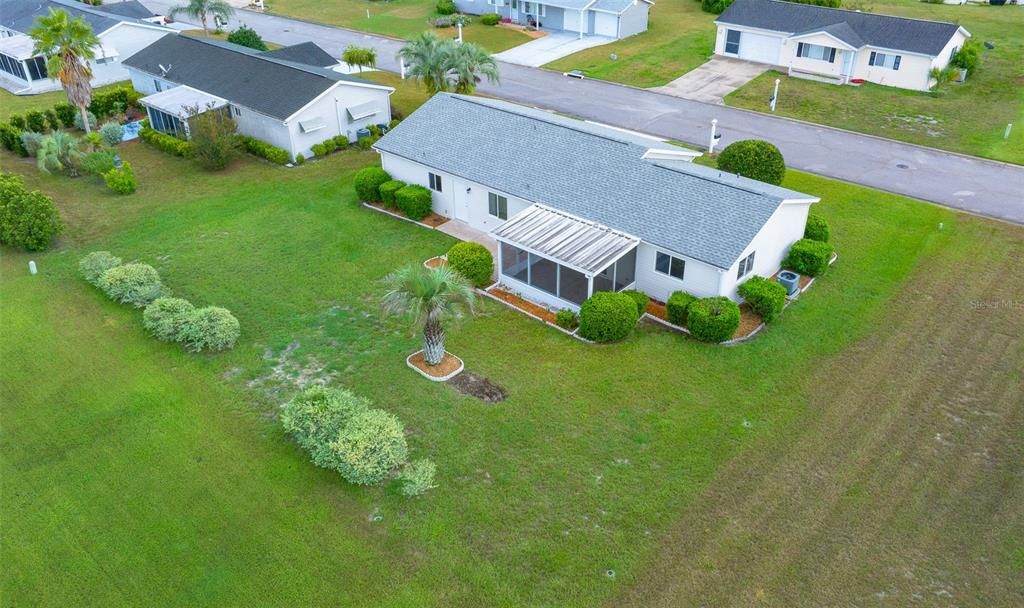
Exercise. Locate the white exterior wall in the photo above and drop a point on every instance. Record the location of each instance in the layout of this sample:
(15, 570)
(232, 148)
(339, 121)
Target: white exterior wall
(332, 109)
(772, 243)
(130, 38)
(634, 19)
(699, 278)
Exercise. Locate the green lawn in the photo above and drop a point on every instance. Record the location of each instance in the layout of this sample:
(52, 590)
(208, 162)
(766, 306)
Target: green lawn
(136, 474)
(399, 19)
(19, 104)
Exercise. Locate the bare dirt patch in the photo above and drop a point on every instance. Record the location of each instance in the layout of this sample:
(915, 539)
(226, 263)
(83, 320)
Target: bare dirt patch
(477, 386)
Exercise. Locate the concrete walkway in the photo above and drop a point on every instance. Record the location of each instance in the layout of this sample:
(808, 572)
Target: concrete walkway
(972, 184)
(711, 82)
(464, 232)
(549, 48)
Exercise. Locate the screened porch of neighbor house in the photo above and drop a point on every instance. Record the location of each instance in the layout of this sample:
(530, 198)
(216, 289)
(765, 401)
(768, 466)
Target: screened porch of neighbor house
(169, 110)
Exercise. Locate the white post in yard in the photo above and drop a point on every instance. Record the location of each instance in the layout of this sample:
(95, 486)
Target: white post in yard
(460, 30)
(1006, 133)
(711, 143)
(32, 267)
(775, 95)
(401, 67)
(367, 13)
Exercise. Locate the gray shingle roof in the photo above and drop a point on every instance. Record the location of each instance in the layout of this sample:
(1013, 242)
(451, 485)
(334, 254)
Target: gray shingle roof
(241, 75)
(592, 172)
(306, 53)
(20, 15)
(886, 31)
(842, 31)
(129, 8)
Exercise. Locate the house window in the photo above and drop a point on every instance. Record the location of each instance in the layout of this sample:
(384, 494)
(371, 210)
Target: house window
(732, 42)
(815, 51)
(535, 8)
(36, 68)
(497, 206)
(236, 110)
(670, 265)
(102, 60)
(435, 182)
(884, 60)
(156, 85)
(746, 265)
(12, 66)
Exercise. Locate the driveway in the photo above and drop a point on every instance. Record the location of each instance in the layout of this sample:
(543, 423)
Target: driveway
(711, 82)
(549, 48)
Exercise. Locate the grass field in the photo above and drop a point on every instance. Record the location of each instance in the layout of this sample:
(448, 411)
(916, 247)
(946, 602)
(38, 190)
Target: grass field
(19, 104)
(400, 19)
(877, 423)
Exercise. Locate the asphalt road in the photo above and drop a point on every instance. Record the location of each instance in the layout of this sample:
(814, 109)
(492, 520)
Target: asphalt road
(971, 184)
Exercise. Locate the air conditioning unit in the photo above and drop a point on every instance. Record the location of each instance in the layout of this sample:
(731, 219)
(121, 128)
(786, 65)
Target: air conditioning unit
(791, 281)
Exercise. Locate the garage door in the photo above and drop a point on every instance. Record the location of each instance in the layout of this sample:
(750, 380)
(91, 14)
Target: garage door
(606, 24)
(759, 47)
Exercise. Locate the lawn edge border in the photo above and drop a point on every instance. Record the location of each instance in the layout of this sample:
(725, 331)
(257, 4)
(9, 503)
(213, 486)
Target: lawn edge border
(395, 215)
(445, 378)
(571, 334)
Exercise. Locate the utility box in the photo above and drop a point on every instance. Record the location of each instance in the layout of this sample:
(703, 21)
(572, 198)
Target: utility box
(791, 281)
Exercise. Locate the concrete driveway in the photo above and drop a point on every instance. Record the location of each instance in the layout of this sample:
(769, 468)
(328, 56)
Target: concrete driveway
(549, 48)
(714, 80)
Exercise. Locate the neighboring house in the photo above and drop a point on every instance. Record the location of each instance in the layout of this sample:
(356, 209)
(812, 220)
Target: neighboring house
(122, 29)
(578, 207)
(610, 18)
(837, 45)
(289, 104)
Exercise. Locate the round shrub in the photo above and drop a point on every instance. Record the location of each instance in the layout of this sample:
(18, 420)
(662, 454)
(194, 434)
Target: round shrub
(111, 133)
(121, 180)
(766, 297)
(446, 7)
(135, 284)
(415, 202)
(678, 306)
(817, 228)
(369, 447)
(35, 121)
(754, 158)
(93, 265)
(66, 113)
(210, 329)
(388, 190)
(165, 318)
(27, 219)
(367, 183)
(490, 19)
(567, 319)
(418, 477)
(473, 261)
(641, 299)
(607, 316)
(315, 416)
(808, 257)
(713, 319)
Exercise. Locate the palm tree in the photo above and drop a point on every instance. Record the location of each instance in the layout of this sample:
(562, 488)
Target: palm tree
(426, 60)
(360, 57)
(58, 152)
(428, 296)
(202, 10)
(68, 45)
(467, 62)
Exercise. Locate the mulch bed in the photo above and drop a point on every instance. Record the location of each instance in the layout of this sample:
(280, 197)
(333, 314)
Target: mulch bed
(433, 220)
(805, 280)
(477, 386)
(749, 321)
(447, 365)
(656, 308)
(436, 262)
(521, 304)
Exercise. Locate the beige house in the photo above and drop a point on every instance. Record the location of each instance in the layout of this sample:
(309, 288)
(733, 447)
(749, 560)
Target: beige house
(838, 46)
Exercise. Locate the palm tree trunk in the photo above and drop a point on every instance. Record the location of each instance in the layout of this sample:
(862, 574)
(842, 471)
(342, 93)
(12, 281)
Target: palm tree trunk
(206, 32)
(433, 341)
(84, 111)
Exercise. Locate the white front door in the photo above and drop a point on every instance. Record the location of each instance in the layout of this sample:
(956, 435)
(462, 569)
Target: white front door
(515, 10)
(460, 201)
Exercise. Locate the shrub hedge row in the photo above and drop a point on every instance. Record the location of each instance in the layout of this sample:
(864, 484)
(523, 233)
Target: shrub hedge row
(641, 299)
(414, 201)
(809, 257)
(817, 228)
(165, 142)
(388, 190)
(367, 183)
(263, 150)
(766, 297)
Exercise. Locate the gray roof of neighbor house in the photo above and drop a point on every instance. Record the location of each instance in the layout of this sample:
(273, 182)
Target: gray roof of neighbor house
(610, 6)
(306, 53)
(20, 15)
(590, 171)
(243, 76)
(885, 31)
(127, 8)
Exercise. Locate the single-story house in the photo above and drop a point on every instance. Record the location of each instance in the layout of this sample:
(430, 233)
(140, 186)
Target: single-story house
(610, 18)
(273, 96)
(578, 207)
(122, 29)
(836, 45)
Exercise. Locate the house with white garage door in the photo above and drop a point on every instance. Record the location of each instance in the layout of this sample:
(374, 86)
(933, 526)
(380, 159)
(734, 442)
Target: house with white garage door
(608, 18)
(578, 207)
(839, 46)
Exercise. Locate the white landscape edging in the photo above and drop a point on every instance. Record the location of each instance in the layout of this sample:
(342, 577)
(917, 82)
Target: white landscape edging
(395, 215)
(462, 366)
(571, 334)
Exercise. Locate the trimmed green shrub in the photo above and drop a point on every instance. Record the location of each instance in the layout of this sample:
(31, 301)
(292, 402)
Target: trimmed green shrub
(473, 261)
(10, 139)
(93, 265)
(808, 257)
(446, 7)
(317, 415)
(754, 158)
(418, 477)
(120, 180)
(300, 159)
(414, 201)
(367, 183)
(165, 318)
(27, 219)
(53, 121)
(369, 447)
(641, 299)
(18, 122)
(715, 7)
(246, 36)
(341, 142)
(388, 190)
(318, 150)
(817, 228)
(210, 329)
(607, 316)
(97, 163)
(113, 101)
(111, 133)
(394, 123)
(365, 143)
(567, 318)
(66, 113)
(967, 56)
(35, 121)
(135, 284)
(678, 306)
(263, 150)
(766, 297)
(165, 142)
(490, 19)
(713, 319)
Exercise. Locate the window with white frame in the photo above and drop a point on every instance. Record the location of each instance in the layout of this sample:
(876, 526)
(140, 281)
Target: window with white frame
(534, 8)
(497, 206)
(732, 42)
(816, 51)
(670, 265)
(435, 182)
(746, 266)
(885, 60)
